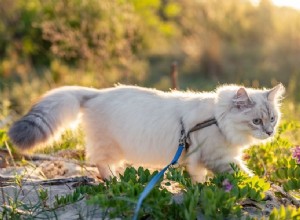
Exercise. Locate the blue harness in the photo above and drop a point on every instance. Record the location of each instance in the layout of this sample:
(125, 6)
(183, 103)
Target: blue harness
(182, 144)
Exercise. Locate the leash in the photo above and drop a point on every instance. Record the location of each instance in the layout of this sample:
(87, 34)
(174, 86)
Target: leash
(182, 144)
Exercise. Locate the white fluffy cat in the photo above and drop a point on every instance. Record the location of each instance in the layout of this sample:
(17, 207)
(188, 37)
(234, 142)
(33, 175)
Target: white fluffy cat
(142, 126)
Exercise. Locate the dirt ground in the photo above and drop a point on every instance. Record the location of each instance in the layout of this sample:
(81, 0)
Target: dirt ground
(60, 176)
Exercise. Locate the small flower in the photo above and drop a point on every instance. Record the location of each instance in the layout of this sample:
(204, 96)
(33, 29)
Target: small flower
(227, 186)
(296, 153)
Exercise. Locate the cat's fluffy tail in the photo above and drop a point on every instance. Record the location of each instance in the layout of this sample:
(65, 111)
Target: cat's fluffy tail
(49, 116)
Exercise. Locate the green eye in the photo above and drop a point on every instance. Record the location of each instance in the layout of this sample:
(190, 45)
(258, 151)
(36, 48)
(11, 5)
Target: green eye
(257, 121)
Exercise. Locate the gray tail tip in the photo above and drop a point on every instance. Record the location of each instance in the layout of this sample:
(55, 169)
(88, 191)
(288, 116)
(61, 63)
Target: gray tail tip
(25, 136)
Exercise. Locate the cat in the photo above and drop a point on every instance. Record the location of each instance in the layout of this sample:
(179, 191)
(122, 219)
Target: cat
(142, 126)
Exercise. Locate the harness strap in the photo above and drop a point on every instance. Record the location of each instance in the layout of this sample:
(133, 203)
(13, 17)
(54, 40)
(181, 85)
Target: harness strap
(204, 124)
(197, 127)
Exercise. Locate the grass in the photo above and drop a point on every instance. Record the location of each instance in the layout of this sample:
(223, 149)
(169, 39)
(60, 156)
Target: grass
(222, 196)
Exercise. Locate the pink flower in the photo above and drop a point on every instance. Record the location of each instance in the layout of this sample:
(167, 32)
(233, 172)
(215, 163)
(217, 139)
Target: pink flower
(227, 186)
(296, 153)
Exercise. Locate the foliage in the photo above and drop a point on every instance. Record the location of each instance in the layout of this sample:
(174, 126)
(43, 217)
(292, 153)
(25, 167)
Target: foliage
(103, 42)
(97, 41)
(285, 213)
(14, 208)
(117, 198)
(3, 137)
(288, 176)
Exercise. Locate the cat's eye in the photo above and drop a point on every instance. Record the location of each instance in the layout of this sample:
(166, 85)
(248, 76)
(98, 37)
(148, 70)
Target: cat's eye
(257, 121)
(272, 119)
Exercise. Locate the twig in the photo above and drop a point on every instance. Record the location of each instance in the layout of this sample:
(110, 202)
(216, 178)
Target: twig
(38, 157)
(251, 203)
(53, 158)
(286, 194)
(10, 154)
(80, 179)
(51, 182)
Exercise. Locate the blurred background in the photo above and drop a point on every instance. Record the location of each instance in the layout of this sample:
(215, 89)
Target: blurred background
(48, 43)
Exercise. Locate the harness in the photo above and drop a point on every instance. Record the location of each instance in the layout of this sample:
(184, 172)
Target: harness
(197, 127)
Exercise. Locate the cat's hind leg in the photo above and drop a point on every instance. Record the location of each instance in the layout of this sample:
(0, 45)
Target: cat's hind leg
(106, 155)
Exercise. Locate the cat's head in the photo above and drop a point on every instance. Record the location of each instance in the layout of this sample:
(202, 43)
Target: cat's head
(247, 114)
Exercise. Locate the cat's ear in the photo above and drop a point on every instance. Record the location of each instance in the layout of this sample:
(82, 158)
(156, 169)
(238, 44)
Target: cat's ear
(241, 100)
(276, 93)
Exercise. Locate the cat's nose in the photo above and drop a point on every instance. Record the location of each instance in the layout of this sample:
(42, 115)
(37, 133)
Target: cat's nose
(269, 133)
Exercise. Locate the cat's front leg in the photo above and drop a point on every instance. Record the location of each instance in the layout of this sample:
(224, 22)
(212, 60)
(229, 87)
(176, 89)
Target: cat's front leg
(196, 170)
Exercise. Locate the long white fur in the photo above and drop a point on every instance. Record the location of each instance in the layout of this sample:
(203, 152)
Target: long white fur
(142, 126)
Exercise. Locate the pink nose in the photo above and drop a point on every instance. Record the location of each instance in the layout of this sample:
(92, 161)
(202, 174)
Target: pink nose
(269, 133)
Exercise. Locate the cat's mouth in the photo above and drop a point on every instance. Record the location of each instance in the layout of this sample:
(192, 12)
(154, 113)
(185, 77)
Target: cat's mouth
(263, 136)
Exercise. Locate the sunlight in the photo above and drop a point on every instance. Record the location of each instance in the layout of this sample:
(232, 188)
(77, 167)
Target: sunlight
(74, 125)
(283, 3)
(290, 3)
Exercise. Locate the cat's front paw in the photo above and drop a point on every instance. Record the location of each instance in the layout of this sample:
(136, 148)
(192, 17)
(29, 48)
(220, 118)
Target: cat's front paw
(198, 178)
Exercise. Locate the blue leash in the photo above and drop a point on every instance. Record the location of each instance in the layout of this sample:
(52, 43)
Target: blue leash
(182, 144)
(155, 179)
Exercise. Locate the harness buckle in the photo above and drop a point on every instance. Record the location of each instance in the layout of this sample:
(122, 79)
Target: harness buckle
(183, 137)
(182, 140)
